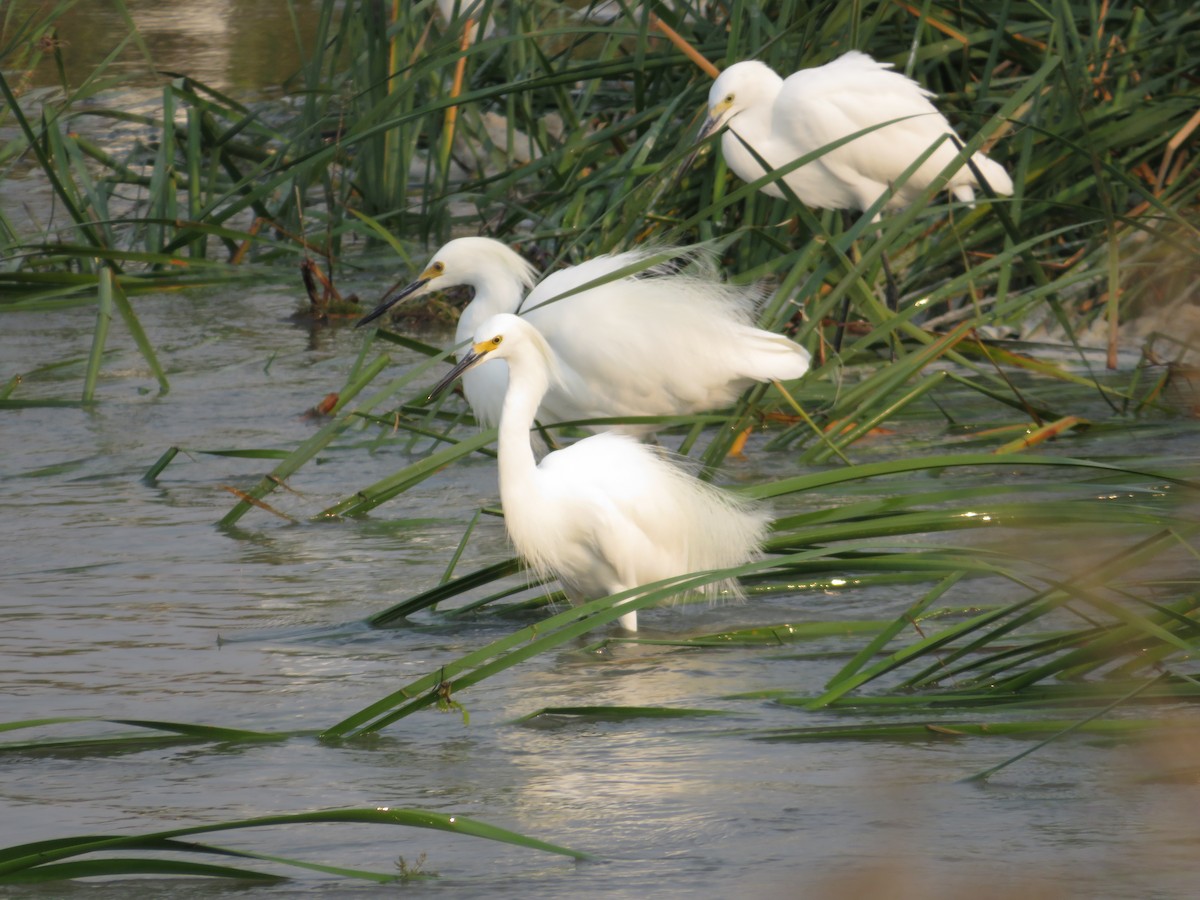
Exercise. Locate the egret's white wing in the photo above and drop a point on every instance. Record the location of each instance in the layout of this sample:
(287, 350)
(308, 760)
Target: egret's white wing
(821, 105)
(661, 344)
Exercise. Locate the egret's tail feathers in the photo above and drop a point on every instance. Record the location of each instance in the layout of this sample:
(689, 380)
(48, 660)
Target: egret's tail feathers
(767, 356)
(997, 178)
(732, 536)
(964, 193)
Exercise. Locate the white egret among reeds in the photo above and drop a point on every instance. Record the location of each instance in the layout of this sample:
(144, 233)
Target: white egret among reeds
(783, 119)
(786, 118)
(608, 513)
(646, 338)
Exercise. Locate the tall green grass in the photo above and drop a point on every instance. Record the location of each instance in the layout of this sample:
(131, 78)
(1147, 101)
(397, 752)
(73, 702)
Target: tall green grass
(590, 130)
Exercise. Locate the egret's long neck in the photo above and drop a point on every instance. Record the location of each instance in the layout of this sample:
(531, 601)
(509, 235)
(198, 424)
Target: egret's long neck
(497, 290)
(528, 382)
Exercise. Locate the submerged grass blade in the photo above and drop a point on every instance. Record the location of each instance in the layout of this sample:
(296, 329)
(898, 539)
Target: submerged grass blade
(932, 464)
(1081, 725)
(366, 499)
(620, 713)
(21, 860)
(154, 732)
(117, 867)
(1060, 593)
(309, 448)
(394, 615)
(950, 729)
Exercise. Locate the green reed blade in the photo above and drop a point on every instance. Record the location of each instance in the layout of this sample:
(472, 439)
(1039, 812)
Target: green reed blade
(125, 308)
(1086, 724)
(104, 315)
(396, 614)
(24, 858)
(313, 445)
(116, 867)
(954, 730)
(366, 499)
(621, 713)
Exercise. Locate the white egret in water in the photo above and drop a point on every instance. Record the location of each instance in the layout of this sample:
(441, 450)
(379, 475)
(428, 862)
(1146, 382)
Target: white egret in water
(661, 342)
(607, 513)
(786, 118)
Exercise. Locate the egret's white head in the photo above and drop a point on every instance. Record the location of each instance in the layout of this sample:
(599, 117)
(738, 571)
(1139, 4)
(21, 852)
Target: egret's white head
(503, 336)
(740, 87)
(473, 260)
(468, 260)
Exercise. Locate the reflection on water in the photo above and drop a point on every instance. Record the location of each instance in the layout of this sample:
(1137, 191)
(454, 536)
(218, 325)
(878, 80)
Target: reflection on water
(239, 45)
(247, 48)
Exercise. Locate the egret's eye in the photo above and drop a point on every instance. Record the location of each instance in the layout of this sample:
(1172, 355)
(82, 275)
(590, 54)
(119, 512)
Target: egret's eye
(729, 98)
(497, 340)
(438, 267)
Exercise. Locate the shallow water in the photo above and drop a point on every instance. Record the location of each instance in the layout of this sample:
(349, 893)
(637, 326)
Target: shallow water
(229, 45)
(122, 599)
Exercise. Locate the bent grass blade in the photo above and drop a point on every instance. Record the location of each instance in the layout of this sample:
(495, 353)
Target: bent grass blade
(21, 863)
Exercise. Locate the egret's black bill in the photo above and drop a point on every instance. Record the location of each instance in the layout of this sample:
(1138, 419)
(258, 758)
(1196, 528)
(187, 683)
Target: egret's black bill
(710, 127)
(390, 301)
(470, 358)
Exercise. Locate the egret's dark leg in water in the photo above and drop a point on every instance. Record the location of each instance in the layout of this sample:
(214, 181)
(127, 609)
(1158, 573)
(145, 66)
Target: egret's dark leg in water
(891, 291)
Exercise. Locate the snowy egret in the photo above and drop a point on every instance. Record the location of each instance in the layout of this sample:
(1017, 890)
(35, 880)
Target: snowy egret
(784, 119)
(628, 347)
(607, 513)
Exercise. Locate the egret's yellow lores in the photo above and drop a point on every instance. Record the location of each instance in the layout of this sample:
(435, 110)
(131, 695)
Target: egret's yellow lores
(668, 340)
(607, 513)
